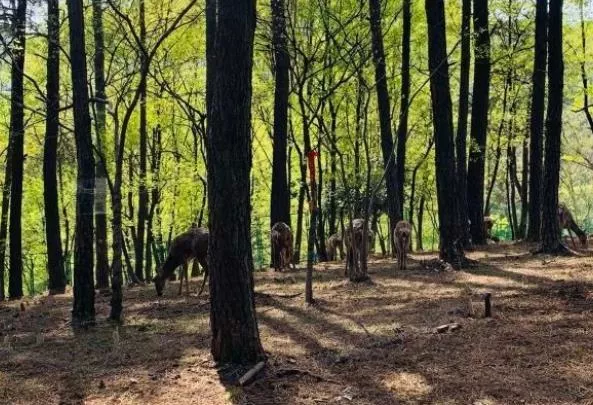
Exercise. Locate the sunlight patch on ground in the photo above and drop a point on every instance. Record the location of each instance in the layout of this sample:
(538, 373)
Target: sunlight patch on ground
(407, 386)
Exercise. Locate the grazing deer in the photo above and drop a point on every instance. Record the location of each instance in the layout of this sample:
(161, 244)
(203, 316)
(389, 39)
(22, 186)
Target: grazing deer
(566, 221)
(281, 240)
(353, 242)
(402, 233)
(333, 245)
(190, 245)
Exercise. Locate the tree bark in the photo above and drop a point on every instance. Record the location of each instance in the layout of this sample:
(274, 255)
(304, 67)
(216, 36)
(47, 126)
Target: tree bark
(383, 102)
(280, 198)
(522, 233)
(461, 139)
(450, 250)
(479, 124)
(17, 138)
(101, 258)
(235, 335)
(551, 242)
(538, 97)
(420, 224)
(584, 78)
(333, 202)
(4, 216)
(402, 129)
(55, 264)
(83, 312)
(142, 189)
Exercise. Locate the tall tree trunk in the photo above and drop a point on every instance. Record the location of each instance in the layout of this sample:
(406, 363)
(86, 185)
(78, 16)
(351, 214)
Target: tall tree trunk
(383, 102)
(461, 139)
(17, 138)
(402, 129)
(301, 200)
(522, 233)
(4, 216)
(55, 264)
(280, 198)
(420, 224)
(479, 124)
(584, 78)
(83, 313)
(551, 242)
(235, 335)
(101, 258)
(319, 218)
(450, 250)
(155, 195)
(333, 202)
(142, 190)
(538, 97)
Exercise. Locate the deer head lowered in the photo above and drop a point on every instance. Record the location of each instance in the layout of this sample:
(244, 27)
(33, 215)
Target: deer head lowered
(192, 244)
(333, 245)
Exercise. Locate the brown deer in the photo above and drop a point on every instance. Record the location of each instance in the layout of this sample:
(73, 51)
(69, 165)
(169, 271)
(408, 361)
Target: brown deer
(488, 225)
(333, 246)
(566, 221)
(190, 245)
(281, 240)
(402, 234)
(353, 241)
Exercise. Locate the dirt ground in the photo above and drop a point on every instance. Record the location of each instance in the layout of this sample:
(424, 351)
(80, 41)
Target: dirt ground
(372, 343)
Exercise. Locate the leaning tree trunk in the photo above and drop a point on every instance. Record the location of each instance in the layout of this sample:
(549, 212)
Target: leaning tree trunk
(101, 257)
(17, 138)
(383, 102)
(55, 264)
(402, 129)
(450, 249)
(83, 313)
(479, 124)
(551, 242)
(538, 98)
(280, 199)
(461, 140)
(235, 335)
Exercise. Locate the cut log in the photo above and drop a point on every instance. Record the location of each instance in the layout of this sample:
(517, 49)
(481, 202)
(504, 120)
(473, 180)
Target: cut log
(248, 376)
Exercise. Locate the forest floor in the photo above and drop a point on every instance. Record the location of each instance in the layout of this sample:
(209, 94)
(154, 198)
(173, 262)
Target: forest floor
(371, 343)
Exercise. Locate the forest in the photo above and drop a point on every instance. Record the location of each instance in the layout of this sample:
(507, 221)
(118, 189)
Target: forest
(296, 202)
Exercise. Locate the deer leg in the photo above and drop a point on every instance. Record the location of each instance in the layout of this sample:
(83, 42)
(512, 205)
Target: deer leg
(572, 238)
(183, 275)
(283, 259)
(180, 280)
(405, 259)
(275, 256)
(186, 273)
(205, 267)
(348, 261)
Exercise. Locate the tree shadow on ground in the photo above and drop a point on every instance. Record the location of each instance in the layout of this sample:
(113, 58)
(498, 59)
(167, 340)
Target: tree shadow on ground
(498, 359)
(49, 360)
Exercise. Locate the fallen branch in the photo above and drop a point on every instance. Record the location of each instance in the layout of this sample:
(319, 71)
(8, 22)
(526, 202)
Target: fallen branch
(248, 376)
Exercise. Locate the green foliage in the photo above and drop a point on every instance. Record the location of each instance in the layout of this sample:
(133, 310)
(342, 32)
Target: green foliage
(331, 73)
